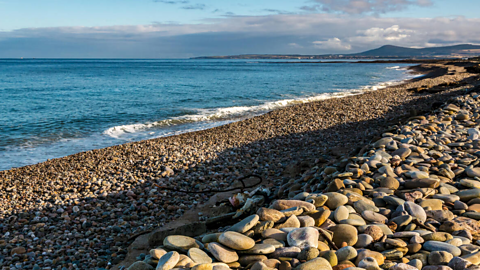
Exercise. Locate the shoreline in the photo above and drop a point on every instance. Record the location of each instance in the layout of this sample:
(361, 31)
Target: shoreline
(110, 193)
(142, 129)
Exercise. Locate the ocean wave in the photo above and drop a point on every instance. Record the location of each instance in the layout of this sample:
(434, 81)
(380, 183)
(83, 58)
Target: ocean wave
(397, 68)
(236, 112)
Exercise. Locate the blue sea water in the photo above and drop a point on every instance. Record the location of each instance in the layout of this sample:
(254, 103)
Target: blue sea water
(54, 108)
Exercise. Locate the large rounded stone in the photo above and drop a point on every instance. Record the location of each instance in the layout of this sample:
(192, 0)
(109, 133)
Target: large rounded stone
(364, 240)
(274, 242)
(468, 194)
(368, 263)
(422, 183)
(315, 264)
(437, 236)
(374, 231)
(473, 172)
(330, 256)
(180, 243)
(212, 237)
(199, 256)
(318, 199)
(335, 200)
(286, 204)
(346, 253)
(416, 210)
(341, 213)
(321, 216)
(344, 233)
(441, 246)
(275, 234)
(439, 258)
(435, 204)
(184, 262)
(474, 258)
(402, 220)
(245, 225)
(293, 211)
(236, 241)
(308, 254)
(270, 214)
(458, 263)
(364, 253)
(365, 205)
(289, 252)
(374, 217)
(306, 221)
(168, 261)
(222, 253)
(382, 142)
(303, 237)
(157, 253)
(390, 182)
(259, 249)
(291, 222)
(470, 183)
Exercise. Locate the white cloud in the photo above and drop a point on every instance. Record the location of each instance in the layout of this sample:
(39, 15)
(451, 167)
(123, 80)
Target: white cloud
(285, 33)
(332, 44)
(376, 34)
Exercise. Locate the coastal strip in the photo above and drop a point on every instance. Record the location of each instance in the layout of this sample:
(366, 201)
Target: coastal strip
(82, 209)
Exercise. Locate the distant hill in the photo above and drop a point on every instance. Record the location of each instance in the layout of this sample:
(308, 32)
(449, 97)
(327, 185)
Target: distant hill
(463, 50)
(387, 51)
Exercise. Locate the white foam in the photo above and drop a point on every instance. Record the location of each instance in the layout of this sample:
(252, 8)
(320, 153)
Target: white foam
(236, 112)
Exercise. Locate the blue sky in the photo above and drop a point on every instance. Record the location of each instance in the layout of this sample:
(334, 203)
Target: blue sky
(185, 28)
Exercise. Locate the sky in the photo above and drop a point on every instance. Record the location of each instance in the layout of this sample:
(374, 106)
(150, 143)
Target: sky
(189, 28)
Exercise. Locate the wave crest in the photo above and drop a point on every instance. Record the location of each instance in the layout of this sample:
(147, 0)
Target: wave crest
(235, 112)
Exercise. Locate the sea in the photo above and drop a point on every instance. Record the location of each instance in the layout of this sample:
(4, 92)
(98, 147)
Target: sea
(51, 108)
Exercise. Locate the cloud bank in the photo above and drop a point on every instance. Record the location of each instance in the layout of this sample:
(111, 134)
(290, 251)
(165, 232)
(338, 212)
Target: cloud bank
(364, 6)
(278, 33)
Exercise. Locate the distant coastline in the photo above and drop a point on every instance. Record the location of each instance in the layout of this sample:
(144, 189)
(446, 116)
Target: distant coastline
(384, 52)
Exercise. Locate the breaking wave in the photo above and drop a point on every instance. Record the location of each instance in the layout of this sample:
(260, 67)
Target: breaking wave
(236, 112)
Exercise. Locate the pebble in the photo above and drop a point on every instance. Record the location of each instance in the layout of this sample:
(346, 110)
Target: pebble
(199, 256)
(168, 261)
(286, 204)
(439, 258)
(236, 241)
(441, 246)
(335, 200)
(303, 238)
(341, 213)
(290, 252)
(270, 214)
(180, 243)
(346, 254)
(315, 264)
(364, 240)
(245, 225)
(344, 233)
(222, 253)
